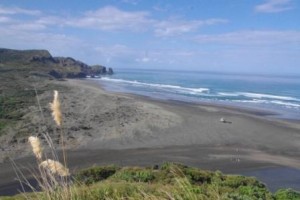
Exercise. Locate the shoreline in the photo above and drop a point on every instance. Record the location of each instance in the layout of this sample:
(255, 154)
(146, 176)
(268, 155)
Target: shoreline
(257, 112)
(275, 111)
(264, 114)
(104, 127)
(198, 109)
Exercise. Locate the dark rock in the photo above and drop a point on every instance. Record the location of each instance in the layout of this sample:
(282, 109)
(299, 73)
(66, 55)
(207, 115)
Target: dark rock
(110, 71)
(97, 69)
(85, 127)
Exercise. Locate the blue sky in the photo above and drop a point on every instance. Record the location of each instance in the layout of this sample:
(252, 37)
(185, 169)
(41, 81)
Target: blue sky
(252, 36)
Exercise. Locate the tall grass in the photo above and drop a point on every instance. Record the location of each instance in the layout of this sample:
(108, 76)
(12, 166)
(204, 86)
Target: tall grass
(53, 178)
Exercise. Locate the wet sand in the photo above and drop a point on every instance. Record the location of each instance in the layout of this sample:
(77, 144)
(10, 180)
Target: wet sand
(109, 128)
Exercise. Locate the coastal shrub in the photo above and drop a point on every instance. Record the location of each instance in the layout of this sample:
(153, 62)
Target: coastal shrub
(168, 166)
(235, 181)
(95, 174)
(146, 183)
(198, 176)
(111, 191)
(287, 194)
(217, 177)
(236, 196)
(168, 172)
(135, 175)
(255, 192)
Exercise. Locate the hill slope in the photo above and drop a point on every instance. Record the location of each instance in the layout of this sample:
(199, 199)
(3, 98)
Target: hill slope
(23, 74)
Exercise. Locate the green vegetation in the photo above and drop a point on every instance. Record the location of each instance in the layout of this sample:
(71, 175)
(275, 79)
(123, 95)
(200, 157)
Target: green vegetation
(13, 105)
(17, 95)
(169, 181)
(283, 194)
(95, 174)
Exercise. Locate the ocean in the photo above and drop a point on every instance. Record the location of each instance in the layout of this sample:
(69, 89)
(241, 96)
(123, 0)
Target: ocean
(279, 94)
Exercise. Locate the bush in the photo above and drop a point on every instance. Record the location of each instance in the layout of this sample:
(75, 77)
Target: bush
(287, 194)
(255, 192)
(198, 176)
(95, 174)
(235, 181)
(135, 175)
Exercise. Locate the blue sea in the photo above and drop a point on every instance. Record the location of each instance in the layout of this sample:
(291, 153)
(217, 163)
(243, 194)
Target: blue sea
(280, 94)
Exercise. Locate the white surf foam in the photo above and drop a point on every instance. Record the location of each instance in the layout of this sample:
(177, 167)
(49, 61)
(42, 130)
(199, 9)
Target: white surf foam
(252, 101)
(277, 102)
(287, 104)
(161, 86)
(267, 96)
(258, 96)
(228, 94)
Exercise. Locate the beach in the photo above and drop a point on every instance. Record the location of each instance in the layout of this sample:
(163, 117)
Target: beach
(104, 128)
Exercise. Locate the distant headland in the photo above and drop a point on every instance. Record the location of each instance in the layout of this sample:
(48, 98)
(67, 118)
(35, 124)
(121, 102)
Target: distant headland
(41, 62)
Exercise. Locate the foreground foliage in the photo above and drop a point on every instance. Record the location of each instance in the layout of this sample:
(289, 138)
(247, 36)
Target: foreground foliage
(168, 181)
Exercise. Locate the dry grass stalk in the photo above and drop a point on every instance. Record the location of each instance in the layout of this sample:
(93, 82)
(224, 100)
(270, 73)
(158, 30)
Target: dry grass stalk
(55, 107)
(55, 167)
(36, 146)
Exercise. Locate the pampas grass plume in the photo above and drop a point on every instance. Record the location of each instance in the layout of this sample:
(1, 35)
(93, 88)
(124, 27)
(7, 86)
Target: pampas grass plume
(55, 167)
(55, 107)
(36, 146)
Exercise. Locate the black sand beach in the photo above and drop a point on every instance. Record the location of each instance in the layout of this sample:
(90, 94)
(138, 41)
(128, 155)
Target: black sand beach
(106, 128)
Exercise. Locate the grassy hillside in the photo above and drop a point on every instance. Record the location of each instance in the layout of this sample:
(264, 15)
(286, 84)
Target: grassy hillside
(21, 71)
(168, 181)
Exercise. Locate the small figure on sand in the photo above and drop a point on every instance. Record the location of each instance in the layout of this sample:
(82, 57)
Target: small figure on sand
(225, 121)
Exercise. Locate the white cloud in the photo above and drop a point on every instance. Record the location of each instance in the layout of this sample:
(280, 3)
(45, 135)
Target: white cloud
(17, 10)
(51, 20)
(4, 19)
(257, 38)
(26, 27)
(110, 18)
(178, 27)
(273, 6)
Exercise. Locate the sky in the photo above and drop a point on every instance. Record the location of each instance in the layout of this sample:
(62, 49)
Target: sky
(250, 36)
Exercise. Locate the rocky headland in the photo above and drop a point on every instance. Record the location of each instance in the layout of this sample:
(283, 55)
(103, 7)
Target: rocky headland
(42, 63)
